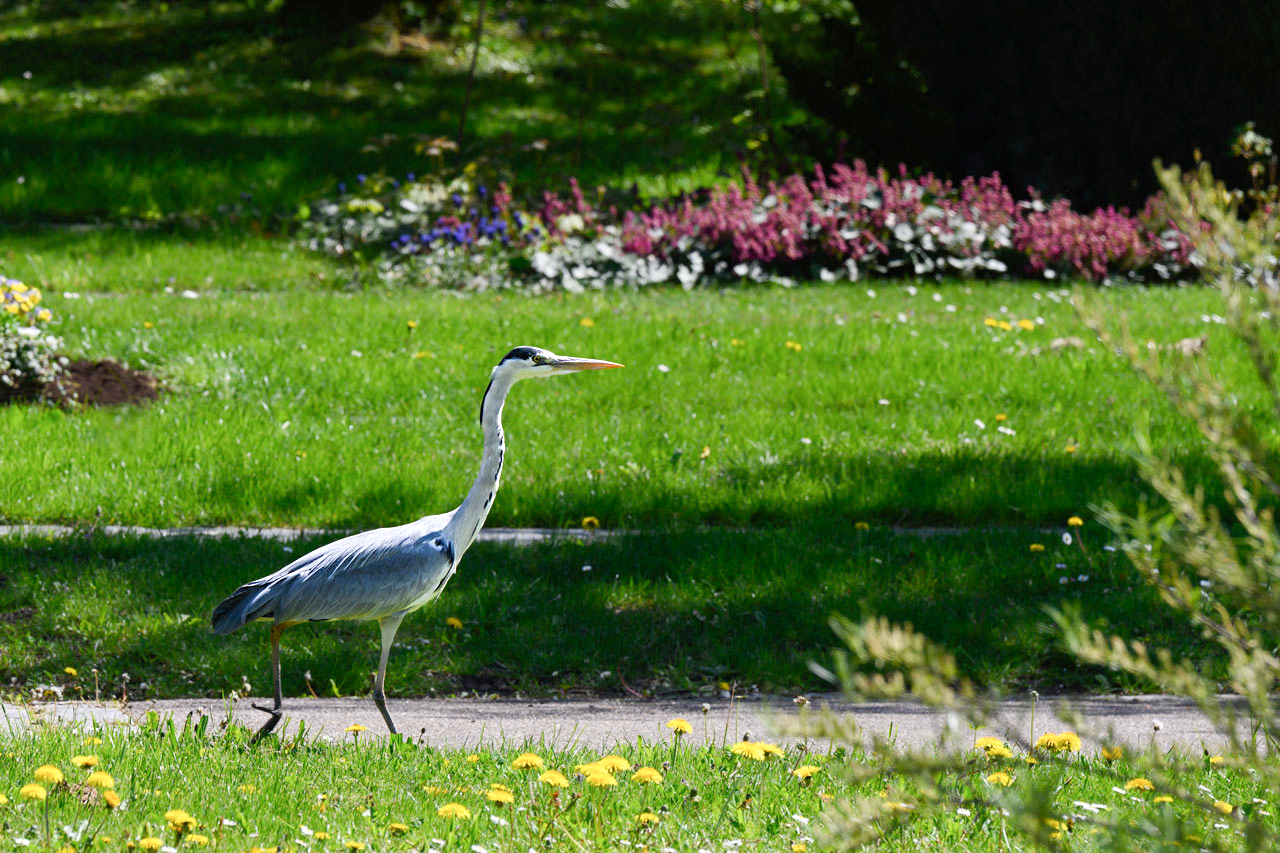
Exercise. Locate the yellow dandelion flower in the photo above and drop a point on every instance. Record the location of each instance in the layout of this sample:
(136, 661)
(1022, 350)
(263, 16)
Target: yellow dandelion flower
(1026, 325)
(590, 522)
(148, 325)
(589, 767)
(1000, 778)
(498, 786)
(179, 817)
(748, 749)
(454, 622)
(554, 778)
(679, 725)
(799, 847)
(1001, 417)
(93, 741)
(253, 789)
(355, 845)
(1070, 448)
(1031, 760)
(1068, 742)
(263, 849)
(1037, 548)
(100, 779)
(646, 776)
(85, 760)
(433, 789)
(1224, 807)
(397, 828)
(356, 728)
(1139, 784)
(150, 843)
(4, 801)
(196, 839)
(804, 771)
(647, 817)
(988, 742)
(1162, 798)
(32, 792)
(1217, 760)
(71, 671)
(422, 354)
(614, 764)
(1005, 326)
(473, 758)
(412, 324)
(48, 773)
(794, 346)
(990, 321)
(498, 795)
(586, 322)
(454, 810)
(771, 749)
(321, 836)
(526, 760)
(1075, 521)
(825, 797)
(736, 342)
(1112, 753)
(111, 798)
(600, 778)
(996, 753)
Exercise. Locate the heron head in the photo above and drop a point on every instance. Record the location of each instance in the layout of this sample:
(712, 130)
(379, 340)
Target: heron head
(535, 362)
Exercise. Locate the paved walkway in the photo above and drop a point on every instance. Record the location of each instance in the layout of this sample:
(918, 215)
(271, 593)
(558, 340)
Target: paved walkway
(508, 535)
(601, 723)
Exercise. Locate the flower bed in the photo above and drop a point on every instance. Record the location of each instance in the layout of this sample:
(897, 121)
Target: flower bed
(29, 360)
(845, 222)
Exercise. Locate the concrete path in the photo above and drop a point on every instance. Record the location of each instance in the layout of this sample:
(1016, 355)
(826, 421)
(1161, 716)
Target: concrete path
(506, 535)
(601, 723)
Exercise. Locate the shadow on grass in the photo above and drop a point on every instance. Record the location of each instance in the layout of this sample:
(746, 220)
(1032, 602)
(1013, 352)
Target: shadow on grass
(189, 109)
(674, 612)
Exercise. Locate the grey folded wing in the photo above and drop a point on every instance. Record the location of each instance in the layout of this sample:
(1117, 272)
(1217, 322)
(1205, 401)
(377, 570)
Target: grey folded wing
(367, 576)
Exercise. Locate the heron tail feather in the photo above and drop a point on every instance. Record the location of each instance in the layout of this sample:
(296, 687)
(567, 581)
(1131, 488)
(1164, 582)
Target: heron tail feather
(239, 608)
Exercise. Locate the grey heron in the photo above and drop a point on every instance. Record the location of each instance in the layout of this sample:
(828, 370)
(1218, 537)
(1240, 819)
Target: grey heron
(384, 574)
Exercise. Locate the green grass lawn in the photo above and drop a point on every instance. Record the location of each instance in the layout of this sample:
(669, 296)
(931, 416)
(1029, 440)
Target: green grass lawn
(670, 613)
(300, 794)
(142, 110)
(754, 406)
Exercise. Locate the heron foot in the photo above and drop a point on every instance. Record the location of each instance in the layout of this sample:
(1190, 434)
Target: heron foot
(271, 722)
(381, 702)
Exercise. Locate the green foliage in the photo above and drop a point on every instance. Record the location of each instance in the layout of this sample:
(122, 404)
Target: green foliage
(1215, 565)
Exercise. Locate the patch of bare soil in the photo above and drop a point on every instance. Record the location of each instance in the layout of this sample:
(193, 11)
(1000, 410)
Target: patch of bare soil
(90, 383)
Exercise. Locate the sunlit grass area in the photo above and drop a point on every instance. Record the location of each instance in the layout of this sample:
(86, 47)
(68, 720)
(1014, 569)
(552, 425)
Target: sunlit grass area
(755, 406)
(148, 110)
(174, 785)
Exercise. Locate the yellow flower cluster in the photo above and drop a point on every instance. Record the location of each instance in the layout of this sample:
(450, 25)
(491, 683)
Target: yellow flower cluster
(1059, 742)
(18, 300)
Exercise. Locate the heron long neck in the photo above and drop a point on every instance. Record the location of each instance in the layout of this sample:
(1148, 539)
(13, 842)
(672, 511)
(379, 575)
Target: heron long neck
(469, 517)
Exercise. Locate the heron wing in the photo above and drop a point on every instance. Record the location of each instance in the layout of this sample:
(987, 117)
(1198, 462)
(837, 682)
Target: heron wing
(365, 576)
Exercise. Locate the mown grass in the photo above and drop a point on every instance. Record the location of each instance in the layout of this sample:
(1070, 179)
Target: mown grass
(753, 406)
(146, 110)
(306, 794)
(666, 613)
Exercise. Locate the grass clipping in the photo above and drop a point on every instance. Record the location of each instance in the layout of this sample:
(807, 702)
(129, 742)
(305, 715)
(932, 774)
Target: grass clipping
(1217, 570)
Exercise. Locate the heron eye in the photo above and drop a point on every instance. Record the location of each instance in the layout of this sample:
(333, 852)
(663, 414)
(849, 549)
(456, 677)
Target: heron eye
(539, 359)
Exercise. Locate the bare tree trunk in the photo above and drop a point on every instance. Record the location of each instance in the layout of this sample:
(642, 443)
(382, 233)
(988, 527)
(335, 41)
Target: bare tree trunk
(471, 74)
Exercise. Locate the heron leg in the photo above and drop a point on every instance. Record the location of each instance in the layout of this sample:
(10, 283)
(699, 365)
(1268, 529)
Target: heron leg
(274, 711)
(389, 625)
